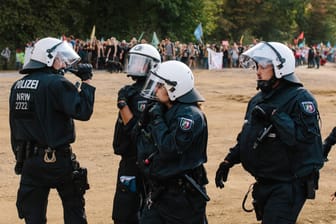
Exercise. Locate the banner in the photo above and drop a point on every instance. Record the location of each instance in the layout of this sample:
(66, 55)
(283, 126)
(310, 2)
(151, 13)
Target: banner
(215, 59)
(225, 43)
(198, 32)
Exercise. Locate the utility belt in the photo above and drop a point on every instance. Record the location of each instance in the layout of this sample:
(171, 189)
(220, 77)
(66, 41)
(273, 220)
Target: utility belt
(156, 188)
(180, 185)
(65, 151)
(310, 182)
(26, 149)
(174, 186)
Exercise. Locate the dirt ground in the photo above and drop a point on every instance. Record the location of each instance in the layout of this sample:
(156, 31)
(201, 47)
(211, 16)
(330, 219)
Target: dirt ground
(227, 92)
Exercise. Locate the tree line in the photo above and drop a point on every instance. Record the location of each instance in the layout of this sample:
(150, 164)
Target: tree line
(24, 20)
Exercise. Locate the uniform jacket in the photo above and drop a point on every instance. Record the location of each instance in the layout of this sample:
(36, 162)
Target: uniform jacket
(293, 147)
(42, 108)
(174, 144)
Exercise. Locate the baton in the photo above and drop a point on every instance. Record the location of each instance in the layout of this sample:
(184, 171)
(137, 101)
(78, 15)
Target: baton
(197, 187)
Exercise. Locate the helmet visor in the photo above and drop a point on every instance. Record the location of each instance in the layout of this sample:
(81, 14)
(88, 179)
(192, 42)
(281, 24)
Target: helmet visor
(253, 63)
(153, 82)
(67, 54)
(138, 65)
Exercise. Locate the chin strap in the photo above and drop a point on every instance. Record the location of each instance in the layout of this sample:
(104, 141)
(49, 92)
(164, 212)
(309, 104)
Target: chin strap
(266, 85)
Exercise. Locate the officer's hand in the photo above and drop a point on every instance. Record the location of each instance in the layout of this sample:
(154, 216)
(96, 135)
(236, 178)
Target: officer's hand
(263, 111)
(125, 93)
(326, 147)
(18, 168)
(222, 173)
(155, 111)
(83, 71)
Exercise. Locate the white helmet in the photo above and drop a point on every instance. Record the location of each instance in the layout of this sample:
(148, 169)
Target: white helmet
(142, 58)
(46, 50)
(178, 80)
(275, 53)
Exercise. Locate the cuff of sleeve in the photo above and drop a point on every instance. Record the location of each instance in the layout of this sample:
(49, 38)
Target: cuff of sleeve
(87, 86)
(157, 121)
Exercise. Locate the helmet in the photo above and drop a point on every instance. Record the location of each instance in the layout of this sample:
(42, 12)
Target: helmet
(142, 58)
(275, 53)
(178, 80)
(46, 50)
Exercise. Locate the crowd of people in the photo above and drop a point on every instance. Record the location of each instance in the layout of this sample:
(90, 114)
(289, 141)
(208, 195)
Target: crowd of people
(161, 135)
(112, 54)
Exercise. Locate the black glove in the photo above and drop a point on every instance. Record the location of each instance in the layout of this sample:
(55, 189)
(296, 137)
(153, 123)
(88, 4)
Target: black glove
(222, 173)
(263, 112)
(326, 147)
(125, 93)
(83, 71)
(155, 111)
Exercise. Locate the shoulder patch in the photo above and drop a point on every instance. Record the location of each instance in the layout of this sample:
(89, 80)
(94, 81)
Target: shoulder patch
(308, 107)
(142, 105)
(186, 124)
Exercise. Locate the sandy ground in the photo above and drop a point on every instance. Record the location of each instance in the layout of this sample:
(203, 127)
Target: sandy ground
(227, 92)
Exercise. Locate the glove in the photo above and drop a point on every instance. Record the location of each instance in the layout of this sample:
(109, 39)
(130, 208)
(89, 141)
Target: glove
(125, 93)
(18, 168)
(155, 111)
(326, 147)
(222, 173)
(263, 112)
(84, 71)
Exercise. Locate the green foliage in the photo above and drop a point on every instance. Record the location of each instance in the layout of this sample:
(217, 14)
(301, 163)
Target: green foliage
(25, 20)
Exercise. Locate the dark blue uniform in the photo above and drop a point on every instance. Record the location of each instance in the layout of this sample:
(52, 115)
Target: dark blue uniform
(286, 162)
(42, 108)
(127, 198)
(168, 149)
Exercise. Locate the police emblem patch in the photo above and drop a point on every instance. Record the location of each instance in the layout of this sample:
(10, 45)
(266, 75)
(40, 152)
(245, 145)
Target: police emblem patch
(308, 107)
(142, 105)
(186, 124)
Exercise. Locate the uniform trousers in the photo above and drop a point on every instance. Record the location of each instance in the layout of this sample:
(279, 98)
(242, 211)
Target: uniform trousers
(37, 178)
(175, 207)
(279, 202)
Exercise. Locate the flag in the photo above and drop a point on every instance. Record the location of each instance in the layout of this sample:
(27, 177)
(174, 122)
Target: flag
(140, 37)
(93, 33)
(155, 40)
(301, 36)
(198, 32)
(241, 39)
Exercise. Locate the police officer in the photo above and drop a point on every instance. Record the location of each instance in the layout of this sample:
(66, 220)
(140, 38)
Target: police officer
(127, 198)
(280, 141)
(328, 143)
(172, 147)
(43, 105)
